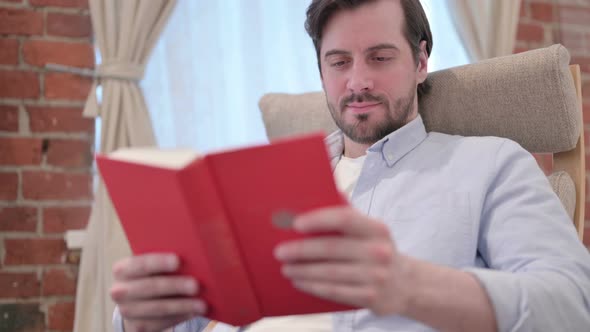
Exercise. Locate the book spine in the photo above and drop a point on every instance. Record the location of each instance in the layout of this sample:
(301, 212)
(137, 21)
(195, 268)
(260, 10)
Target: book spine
(226, 285)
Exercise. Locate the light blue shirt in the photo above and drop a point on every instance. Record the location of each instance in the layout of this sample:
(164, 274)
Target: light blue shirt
(480, 204)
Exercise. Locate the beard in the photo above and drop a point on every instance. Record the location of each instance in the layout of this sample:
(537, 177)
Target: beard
(362, 131)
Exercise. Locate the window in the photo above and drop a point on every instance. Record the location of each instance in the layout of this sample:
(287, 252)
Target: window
(448, 50)
(215, 59)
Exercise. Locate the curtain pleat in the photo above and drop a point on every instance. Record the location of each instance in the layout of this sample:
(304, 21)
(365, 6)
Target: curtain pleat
(125, 32)
(487, 27)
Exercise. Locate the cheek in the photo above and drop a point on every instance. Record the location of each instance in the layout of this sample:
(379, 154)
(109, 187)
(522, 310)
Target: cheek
(333, 90)
(396, 85)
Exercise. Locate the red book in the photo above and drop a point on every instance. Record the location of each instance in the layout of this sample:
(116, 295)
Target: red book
(223, 214)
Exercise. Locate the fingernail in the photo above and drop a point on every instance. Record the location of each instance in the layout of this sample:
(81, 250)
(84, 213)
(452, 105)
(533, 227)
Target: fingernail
(199, 307)
(298, 225)
(280, 252)
(172, 262)
(118, 293)
(298, 285)
(190, 286)
(286, 270)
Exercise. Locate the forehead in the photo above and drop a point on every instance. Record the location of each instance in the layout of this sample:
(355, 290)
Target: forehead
(373, 23)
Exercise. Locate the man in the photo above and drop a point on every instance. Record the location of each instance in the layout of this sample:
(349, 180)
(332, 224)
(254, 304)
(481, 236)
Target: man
(446, 232)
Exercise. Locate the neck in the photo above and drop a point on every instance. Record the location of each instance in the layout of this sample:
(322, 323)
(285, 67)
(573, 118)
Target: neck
(353, 149)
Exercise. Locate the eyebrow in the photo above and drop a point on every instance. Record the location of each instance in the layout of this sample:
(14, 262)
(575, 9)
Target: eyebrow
(335, 52)
(383, 46)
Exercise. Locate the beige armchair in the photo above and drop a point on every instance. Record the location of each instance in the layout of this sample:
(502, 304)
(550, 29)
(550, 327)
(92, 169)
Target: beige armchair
(533, 98)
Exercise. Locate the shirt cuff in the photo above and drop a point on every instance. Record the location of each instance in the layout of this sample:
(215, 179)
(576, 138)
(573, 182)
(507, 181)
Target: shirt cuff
(509, 299)
(194, 325)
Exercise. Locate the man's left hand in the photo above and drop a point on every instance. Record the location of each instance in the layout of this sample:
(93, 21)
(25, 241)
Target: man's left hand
(360, 266)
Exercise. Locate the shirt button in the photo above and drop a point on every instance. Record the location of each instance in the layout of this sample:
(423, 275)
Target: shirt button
(390, 157)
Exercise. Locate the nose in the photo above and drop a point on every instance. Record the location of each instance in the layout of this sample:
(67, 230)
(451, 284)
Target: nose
(359, 80)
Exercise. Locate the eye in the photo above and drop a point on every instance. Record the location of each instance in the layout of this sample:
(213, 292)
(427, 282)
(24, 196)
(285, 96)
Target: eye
(338, 64)
(381, 58)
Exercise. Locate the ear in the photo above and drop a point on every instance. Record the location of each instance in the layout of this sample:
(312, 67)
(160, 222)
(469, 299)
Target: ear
(422, 69)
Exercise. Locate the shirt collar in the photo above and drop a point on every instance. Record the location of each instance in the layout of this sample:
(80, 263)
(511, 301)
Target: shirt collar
(391, 147)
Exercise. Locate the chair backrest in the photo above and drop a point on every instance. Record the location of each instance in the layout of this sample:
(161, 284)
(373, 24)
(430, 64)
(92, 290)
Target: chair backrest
(533, 98)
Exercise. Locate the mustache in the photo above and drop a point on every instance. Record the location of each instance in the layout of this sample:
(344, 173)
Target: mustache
(361, 97)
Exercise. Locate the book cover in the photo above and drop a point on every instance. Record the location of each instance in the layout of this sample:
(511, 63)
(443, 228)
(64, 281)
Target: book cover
(223, 214)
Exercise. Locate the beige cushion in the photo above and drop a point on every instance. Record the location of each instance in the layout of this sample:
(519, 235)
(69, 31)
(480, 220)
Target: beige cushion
(527, 97)
(564, 187)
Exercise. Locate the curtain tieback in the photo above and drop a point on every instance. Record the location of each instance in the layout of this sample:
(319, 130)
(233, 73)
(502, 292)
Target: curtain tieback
(116, 70)
(120, 71)
(107, 70)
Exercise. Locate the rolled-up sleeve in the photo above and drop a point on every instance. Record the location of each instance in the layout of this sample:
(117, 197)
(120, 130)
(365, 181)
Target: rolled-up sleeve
(539, 271)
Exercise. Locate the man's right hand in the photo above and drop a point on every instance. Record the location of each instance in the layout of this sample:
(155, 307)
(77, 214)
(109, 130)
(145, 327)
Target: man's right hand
(149, 298)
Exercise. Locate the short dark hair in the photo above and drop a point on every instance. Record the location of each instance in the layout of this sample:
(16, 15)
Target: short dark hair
(416, 28)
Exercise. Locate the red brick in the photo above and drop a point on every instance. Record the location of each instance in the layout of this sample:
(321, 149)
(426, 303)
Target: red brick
(59, 282)
(580, 60)
(18, 219)
(22, 317)
(41, 185)
(66, 86)
(60, 3)
(573, 40)
(585, 92)
(69, 153)
(584, 63)
(8, 51)
(530, 32)
(8, 186)
(542, 11)
(19, 285)
(8, 118)
(69, 25)
(34, 251)
(12, 1)
(41, 52)
(58, 119)
(520, 50)
(18, 84)
(574, 14)
(20, 151)
(61, 316)
(62, 219)
(20, 22)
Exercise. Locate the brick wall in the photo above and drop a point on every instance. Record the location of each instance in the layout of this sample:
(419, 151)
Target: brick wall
(546, 22)
(45, 159)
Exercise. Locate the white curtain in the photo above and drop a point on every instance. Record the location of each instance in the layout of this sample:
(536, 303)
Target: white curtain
(215, 60)
(487, 27)
(448, 50)
(125, 31)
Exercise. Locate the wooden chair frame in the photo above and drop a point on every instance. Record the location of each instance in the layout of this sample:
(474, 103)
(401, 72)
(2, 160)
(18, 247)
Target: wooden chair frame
(573, 162)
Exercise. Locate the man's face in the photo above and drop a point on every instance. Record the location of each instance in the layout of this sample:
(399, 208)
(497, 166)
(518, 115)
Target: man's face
(368, 71)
